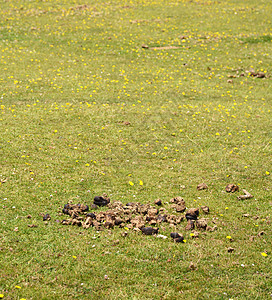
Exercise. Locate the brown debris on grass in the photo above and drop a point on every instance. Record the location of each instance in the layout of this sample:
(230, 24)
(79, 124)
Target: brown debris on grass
(205, 209)
(140, 217)
(178, 204)
(149, 230)
(202, 186)
(101, 200)
(158, 202)
(192, 214)
(32, 225)
(231, 188)
(74, 209)
(175, 235)
(179, 240)
(246, 195)
(126, 123)
(256, 74)
(230, 250)
(160, 48)
(190, 225)
(165, 48)
(211, 229)
(46, 217)
(194, 234)
(201, 224)
(134, 216)
(192, 266)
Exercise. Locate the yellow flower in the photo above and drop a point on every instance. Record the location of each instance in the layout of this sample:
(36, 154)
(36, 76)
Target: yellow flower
(74, 257)
(1, 296)
(228, 237)
(267, 173)
(131, 183)
(140, 182)
(264, 254)
(17, 287)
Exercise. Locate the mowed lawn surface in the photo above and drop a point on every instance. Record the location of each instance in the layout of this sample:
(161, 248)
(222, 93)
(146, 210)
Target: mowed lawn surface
(140, 100)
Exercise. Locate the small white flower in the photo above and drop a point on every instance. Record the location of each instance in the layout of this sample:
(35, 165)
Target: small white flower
(161, 236)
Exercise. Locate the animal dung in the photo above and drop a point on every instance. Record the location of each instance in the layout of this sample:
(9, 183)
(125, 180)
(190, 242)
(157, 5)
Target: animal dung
(136, 216)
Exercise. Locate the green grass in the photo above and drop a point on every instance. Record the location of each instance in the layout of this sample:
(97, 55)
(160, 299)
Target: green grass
(261, 39)
(70, 77)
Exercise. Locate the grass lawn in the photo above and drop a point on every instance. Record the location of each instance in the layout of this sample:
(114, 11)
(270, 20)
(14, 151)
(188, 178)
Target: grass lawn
(140, 100)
